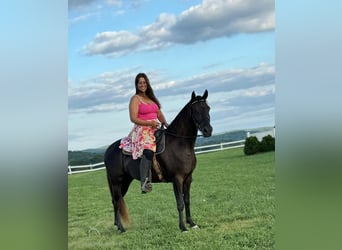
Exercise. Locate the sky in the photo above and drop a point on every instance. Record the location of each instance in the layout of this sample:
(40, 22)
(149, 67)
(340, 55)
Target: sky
(224, 46)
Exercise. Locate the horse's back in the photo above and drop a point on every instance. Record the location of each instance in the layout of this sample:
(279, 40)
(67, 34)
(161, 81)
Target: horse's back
(112, 154)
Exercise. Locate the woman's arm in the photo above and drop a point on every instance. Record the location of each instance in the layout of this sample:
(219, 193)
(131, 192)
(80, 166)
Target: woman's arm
(161, 118)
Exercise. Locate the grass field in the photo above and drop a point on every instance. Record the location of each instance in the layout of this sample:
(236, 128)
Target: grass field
(232, 201)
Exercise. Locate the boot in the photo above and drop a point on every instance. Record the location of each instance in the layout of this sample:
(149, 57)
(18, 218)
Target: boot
(145, 175)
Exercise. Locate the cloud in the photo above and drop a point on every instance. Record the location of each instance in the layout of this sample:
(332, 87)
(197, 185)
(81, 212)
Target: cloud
(83, 10)
(84, 4)
(80, 4)
(106, 92)
(222, 18)
(111, 91)
(209, 20)
(245, 119)
(137, 3)
(100, 99)
(117, 3)
(83, 17)
(112, 43)
(225, 80)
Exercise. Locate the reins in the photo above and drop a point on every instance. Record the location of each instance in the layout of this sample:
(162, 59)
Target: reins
(182, 136)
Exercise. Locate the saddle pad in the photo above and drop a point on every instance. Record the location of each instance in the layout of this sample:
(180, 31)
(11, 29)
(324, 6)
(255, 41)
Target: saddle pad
(160, 143)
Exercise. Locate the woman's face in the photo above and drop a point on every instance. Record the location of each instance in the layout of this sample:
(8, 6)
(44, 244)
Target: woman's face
(142, 85)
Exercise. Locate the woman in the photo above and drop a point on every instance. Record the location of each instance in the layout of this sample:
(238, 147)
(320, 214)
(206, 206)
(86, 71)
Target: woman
(145, 113)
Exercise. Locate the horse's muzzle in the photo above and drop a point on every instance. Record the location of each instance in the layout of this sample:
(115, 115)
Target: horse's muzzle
(207, 131)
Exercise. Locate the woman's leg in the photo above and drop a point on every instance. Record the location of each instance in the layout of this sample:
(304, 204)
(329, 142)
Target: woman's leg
(145, 171)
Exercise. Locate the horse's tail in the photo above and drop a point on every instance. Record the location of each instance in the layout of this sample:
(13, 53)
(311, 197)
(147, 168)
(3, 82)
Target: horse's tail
(123, 211)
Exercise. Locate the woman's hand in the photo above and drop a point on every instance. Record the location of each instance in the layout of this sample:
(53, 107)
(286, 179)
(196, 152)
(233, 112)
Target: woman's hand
(155, 124)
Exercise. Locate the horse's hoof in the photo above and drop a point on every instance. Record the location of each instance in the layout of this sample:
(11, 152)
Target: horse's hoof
(121, 230)
(195, 227)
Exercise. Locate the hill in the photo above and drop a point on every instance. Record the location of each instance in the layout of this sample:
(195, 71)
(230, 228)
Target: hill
(224, 137)
(76, 158)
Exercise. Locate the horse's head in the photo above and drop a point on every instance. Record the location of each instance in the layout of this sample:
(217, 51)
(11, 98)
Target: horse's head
(200, 113)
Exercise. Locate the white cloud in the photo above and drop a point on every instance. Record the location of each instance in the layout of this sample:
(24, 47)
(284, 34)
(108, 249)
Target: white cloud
(164, 85)
(209, 20)
(247, 119)
(79, 4)
(112, 43)
(259, 91)
(109, 91)
(83, 17)
(84, 4)
(117, 3)
(214, 19)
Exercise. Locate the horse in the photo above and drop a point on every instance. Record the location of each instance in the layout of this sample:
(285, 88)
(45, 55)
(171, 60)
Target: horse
(177, 162)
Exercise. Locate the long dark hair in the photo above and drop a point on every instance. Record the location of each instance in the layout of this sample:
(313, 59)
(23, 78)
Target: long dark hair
(149, 91)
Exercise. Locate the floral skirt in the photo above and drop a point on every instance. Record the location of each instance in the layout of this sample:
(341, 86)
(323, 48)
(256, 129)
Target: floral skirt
(140, 138)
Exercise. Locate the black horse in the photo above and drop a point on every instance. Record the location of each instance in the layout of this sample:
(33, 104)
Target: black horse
(177, 162)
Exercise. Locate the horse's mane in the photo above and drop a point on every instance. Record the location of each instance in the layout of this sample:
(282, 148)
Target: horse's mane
(184, 113)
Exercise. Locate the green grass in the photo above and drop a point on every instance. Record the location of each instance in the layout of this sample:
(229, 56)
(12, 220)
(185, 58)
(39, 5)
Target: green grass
(232, 201)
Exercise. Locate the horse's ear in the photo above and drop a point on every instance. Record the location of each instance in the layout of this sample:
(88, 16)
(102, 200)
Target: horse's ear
(193, 96)
(205, 95)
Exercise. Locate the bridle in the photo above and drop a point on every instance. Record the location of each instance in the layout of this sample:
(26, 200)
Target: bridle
(197, 124)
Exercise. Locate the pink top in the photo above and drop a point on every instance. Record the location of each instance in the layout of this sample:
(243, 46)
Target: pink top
(147, 111)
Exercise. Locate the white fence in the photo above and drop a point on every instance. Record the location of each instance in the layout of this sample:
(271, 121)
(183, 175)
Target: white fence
(261, 134)
(198, 150)
(85, 168)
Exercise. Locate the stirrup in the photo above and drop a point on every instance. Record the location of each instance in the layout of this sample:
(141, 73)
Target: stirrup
(146, 186)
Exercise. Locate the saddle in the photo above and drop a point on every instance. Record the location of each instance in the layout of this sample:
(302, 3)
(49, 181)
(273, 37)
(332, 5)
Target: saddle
(160, 140)
(160, 147)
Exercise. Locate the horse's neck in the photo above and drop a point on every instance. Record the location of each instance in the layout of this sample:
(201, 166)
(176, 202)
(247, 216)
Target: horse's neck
(183, 124)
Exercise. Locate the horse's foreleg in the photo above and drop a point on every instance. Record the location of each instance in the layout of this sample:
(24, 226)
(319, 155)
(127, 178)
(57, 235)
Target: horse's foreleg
(178, 190)
(186, 188)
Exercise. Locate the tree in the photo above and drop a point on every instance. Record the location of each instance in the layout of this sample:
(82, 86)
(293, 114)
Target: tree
(267, 143)
(252, 145)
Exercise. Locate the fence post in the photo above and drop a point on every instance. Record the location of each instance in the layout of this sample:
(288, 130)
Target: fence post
(248, 134)
(221, 146)
(69, 170)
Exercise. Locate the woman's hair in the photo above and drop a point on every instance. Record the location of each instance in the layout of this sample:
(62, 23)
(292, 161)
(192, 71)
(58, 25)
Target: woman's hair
(149, 91)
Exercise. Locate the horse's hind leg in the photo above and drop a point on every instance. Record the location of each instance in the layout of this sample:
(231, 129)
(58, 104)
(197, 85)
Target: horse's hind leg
(117, 198)
(186, 188)
(125, 184)
(118, 204)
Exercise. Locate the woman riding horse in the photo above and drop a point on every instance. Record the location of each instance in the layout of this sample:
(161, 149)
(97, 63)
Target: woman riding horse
(177, 162)
(145, 113)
